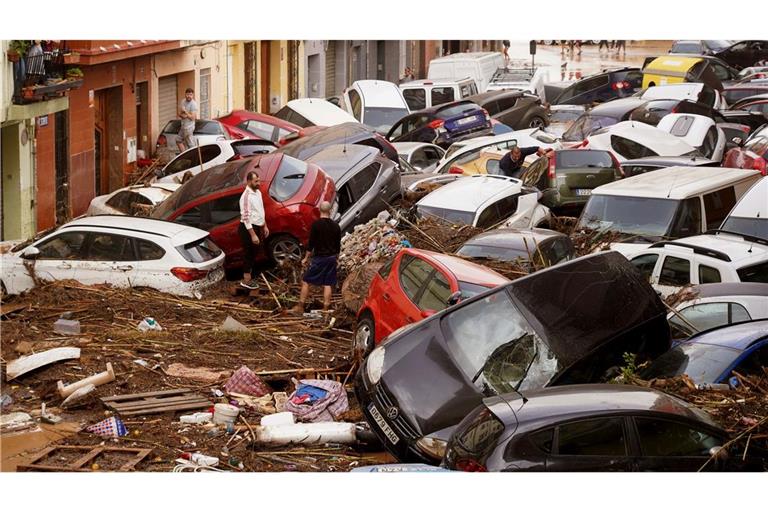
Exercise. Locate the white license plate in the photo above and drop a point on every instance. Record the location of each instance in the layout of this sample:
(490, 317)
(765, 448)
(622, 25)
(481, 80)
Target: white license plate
(583, 191)
(379, 419)
(466, 120)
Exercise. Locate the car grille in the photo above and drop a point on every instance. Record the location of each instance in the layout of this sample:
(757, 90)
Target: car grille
(400, 425)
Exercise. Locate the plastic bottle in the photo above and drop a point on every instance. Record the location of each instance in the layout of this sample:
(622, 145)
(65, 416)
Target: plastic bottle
(149, 324)
(198, 417)
(200, 459)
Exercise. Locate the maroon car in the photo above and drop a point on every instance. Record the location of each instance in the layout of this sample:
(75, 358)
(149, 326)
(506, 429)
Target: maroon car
(263, 126)
(753, 155)
(292, 191)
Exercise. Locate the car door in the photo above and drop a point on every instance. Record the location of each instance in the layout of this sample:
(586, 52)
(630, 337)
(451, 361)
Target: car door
(59, 256)
(151, 266)
(647, 264)
(668, 445)
(221, 218)
(403, 294)
(594, 444)
(109, 259)
(363, 201)
(717, 205)
(675, 272)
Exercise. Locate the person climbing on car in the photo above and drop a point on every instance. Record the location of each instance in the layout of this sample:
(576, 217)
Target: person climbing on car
(253, 227)
(511, 164)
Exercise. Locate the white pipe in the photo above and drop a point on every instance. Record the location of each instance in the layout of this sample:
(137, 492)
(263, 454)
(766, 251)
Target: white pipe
(306, 433)
(96, 380)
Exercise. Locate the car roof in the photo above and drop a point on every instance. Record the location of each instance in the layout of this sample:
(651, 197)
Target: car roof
(443, 106)
(435, 81)
(753, 204)
(471, 192)
(319, 109)
(265, 118)
(338, 159)
(735, 247)
(670, 161)
(485, 96)
(618, 107)
(178, 234)
(380, 93)
(705, 291)
(408, 147)
(579, 400)
(464, 56)
(655, 138)
(464, 270)
(509, 238)
(676, 182)
(738, 336)
(680, 91)
(678, 60)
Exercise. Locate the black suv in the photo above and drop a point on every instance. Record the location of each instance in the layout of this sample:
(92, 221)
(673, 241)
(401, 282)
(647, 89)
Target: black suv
(605, 86)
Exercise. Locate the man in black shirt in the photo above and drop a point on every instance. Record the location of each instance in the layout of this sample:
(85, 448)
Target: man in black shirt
(511, 164)
(323, 249)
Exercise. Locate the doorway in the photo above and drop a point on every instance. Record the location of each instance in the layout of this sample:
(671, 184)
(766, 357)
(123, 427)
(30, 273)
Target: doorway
(264, 47)
(108, 140)
(61, 156)
(142, 117)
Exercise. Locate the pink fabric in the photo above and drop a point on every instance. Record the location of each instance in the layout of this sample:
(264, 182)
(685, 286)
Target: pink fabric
(245, 382)
(329, 408)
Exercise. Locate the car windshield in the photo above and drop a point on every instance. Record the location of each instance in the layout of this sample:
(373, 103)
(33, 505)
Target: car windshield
(457, 216)
(289, 178)
(650, 218)
(586, 125)
(381, 119)
(202, 127)
(491, 252)
(717, 44)
(703, 363)
(496, 347)
(578, 159)
(751, 226)
(564, 116)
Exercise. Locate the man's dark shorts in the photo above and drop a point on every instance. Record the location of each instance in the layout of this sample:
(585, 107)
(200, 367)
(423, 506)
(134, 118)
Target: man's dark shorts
(321, 271)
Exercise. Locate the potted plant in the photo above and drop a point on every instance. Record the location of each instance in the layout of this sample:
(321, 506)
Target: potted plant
(74, 74)
(16, 50)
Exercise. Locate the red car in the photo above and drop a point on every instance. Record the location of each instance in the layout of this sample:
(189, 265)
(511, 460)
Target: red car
(415, 285)
(244, 122)
(292, 191)
(753, 155)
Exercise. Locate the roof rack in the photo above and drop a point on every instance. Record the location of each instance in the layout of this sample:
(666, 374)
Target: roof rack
(696, 249)
(748, 238)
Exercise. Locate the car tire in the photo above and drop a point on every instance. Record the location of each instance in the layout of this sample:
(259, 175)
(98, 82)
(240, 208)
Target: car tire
(282, 248)
(537, 122)
(365, 334)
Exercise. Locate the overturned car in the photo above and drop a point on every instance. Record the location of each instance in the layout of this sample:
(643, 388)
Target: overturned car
(567, 324)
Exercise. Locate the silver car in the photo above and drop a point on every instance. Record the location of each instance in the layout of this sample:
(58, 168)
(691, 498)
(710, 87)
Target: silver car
(366, 181)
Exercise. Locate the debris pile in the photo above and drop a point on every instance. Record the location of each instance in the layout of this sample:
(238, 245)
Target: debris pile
(376, 240)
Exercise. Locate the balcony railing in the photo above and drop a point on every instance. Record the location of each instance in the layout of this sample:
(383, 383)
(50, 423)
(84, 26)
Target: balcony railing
(44, 76)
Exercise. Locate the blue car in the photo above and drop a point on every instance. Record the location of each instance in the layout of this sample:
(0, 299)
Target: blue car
(711, 357)
(442, 125)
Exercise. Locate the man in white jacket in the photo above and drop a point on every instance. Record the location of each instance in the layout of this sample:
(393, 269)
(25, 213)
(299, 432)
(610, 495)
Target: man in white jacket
(253, 227)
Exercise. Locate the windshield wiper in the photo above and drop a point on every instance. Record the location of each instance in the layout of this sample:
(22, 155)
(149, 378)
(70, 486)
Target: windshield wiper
(493, 354)
(528, 368)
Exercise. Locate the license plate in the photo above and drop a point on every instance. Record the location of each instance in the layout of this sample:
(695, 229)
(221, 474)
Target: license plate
(466, 120)
(379, 419)
(583, 191)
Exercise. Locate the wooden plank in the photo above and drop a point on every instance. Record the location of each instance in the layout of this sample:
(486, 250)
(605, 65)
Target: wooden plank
(159, 403)
(93, 451)
(7, 309)
(141, 395)
(87, 457)
(183, 407)
(131, 464)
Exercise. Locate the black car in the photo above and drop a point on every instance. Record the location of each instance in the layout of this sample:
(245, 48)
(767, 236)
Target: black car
(702, 47)
(652, 112)
(598, 427)
(738, 92)
(654, 163)
(535, 247)
(345, 133)
(567, 324)
(443, 125)
(744, 53)
(517, 109)
(602, 116)
(601, 87)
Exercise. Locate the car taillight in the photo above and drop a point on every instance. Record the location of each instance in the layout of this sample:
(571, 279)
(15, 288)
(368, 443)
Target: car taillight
(582, 144)
(620, 85)
(162, 141)
(437, 123)
(189, 274)
(455, 170)
(236, 156)
(760, 165)
(745, 128)
(551, 172)
(470, 466)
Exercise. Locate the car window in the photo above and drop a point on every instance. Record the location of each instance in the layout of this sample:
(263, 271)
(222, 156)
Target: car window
(224, 209)
(675, 271)
(109, 247)
(288, 179)
(386, 268)
(362, 182)
(192, 217)
(556, 250)
(709, 315)
(127, 200)
(355, 104)
(199, 251)
(149, 250)
(543, 440)
(758, 107)
(645, 264)
(416, 99)
(758, 145)
(184, 161)
(710, 142)
(536, 175)
(682, 126)
(579, 159)
(630, 149)
(601, 437)
(436, 293)
(260, 129)
(721, 71)
(413, 274)
(492, 107)
(492, 166)
(442, 95)
(717, 204)
(754, 273)
(64, 246)
(686, 48)
(507, 103)
(498, 211)
(687, 219)
(662, 438)
(753, 363)
(708, 274)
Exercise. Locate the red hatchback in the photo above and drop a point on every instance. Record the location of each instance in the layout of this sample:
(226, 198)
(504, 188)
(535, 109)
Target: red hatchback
(262, 126)
(414, 285)
(291, 190)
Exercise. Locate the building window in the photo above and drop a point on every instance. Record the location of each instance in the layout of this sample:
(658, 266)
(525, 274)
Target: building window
(205, 93)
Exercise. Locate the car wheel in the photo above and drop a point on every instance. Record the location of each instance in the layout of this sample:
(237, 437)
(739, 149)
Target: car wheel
(536, 122)
(284, 248)
(365, 334)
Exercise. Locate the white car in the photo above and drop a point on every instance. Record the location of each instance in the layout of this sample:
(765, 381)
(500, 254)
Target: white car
(313, 112)
(131, 200)
(485, 201)
(702, 259)
(521, 77)
(206, 131)
(750, 215)
(211, 155)
(375, 103)
(421, 94)
(719, 304)
(120, 251)
(479, 66)
(422, 156)
(629, 140)
(686, 91)
(699, 131)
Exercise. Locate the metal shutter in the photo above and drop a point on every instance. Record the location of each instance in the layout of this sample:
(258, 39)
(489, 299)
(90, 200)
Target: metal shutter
(330, 69)
(168, 100)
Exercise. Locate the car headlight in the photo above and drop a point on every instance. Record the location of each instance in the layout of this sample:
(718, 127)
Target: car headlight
(374, 365)
(433, 447)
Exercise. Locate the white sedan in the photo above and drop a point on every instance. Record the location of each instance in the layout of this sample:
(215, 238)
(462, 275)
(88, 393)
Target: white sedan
(131, 200)
(699, 131)
(196, 160)
(120, 251)
(629, 140)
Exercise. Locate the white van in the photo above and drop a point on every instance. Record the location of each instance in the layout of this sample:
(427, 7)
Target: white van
(375, 103)
(750, 215)
(421, 94)
(313, 112)
(477, 65)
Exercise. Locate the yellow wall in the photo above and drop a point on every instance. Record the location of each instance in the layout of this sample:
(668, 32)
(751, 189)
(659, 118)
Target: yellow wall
(237, 79)
(275, 75)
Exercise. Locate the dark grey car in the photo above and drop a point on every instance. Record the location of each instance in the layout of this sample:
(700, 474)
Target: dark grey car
(517, 109)
(365, 181)
(542, 247)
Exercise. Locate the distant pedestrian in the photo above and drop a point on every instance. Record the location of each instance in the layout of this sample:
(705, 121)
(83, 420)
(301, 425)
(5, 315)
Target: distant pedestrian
(505, 51)
(603, 42)
(511, 164)
(253, 227)
(621, 45)
(407, 75)
(322, 255)
(188, 112)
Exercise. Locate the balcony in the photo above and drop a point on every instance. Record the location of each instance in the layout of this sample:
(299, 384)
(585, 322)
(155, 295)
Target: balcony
(44, 77)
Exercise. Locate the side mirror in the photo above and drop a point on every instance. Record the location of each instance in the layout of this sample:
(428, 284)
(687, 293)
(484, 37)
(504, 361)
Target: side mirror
(30, 253)
(454, 299)
(428, 313)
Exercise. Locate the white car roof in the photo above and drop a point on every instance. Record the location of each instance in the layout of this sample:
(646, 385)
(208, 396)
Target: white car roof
(675, 182)
(684, 91)
(321, 112)
(696, 132)
(434, 81)
(473, 56)
(178, 234)
(380, 93)
(740, 251)
(470, 193)
(753, 204)
(661, 142)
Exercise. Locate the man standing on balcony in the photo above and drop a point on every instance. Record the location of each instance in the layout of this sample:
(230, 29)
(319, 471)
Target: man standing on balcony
(188, 113)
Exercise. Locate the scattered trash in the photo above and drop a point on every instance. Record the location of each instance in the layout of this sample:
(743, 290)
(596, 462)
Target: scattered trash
(22, 365)
(110, 427)
(199, 374)
(223, 413)
(67, 315)
(66, 327)
(79, 397)
(307, 394)
(280, 418)
(399, 468)
(155, 402)
(197, 418)
(375, 240)
(245, 382)
(149, 324)
(6, 401)
(306, 433)
(47, 417)
(232, 325)
(200, 459)
(262, 405)
(15, 421)
(94, 380)
(318, 407)
(281, 398)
